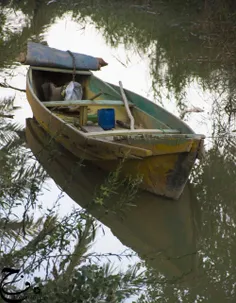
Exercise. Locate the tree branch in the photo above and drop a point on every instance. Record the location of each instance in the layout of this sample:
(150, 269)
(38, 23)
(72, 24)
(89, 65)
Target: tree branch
(6, 85)
(7, 116)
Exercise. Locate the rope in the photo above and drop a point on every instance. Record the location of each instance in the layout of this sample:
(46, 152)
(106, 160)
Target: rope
(74, 67)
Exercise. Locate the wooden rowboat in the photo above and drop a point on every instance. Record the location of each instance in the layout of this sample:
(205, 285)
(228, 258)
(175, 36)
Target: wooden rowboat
(160, 148)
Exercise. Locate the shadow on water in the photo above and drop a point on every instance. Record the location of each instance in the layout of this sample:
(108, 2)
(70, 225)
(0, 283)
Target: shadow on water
(161, 231)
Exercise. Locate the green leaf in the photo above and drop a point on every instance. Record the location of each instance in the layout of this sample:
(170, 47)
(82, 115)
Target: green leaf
(37, 279)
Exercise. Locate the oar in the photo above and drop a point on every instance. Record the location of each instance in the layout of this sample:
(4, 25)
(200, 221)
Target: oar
(127, 106)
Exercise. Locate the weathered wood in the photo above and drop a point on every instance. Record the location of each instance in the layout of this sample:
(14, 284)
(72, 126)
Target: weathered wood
(92, 128)
(159, 144)
(85, 103)
(126, 102)
(42, 55)
(60, 70)
(147, 121)
(134, 132)
(95, 128)
(83, 116)
(95, 96)
(123, 124)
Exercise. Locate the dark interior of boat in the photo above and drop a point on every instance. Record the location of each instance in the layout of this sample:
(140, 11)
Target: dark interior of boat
(57, 79)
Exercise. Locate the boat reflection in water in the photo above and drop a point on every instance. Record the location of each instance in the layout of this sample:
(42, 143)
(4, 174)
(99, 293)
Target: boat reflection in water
(161, 231)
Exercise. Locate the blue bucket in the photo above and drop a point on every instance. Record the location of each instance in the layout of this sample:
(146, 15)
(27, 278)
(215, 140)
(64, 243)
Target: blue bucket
(106, 118)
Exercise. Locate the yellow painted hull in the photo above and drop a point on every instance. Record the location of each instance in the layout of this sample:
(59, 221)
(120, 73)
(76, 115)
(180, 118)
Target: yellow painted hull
(164, 175)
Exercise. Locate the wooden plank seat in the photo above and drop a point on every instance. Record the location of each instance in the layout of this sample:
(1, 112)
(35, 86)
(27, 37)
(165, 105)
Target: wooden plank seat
(86, 103)
(95, 128)
(92, 128)
(135, 132)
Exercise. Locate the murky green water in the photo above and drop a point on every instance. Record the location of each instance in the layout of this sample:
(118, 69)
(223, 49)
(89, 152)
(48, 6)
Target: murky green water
(180, 56)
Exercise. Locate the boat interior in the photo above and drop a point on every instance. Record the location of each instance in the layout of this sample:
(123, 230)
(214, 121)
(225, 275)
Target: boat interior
(89, 114)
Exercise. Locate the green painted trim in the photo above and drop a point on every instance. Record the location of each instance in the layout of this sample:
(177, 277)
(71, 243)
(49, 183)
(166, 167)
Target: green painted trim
(156, 111)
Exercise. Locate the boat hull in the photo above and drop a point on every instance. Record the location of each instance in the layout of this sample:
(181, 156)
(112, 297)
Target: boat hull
(163, 164)
(164, 175)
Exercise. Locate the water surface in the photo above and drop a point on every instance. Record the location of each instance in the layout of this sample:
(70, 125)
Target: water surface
(180, 57)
